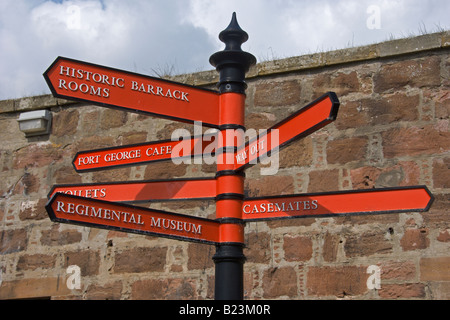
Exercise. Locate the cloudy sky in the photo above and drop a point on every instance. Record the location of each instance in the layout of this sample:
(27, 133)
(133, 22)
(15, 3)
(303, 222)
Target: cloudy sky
(178, 36)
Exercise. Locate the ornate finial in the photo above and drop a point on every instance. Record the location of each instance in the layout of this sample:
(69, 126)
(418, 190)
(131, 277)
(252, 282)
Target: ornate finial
(233, 36)
(232, 63)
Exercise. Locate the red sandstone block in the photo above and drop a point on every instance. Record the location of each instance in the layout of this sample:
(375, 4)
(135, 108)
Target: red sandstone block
(337, 281)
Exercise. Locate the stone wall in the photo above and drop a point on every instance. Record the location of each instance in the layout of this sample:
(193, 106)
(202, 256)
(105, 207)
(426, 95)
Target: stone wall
(392, 130)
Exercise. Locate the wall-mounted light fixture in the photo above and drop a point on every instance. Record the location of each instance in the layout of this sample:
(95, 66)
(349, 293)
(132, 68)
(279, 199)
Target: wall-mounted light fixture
(35, 123)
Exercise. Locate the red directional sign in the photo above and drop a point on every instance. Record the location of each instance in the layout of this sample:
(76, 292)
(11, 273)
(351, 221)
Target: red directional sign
(331, 204)
(132, 191)
(88, 212)
(108, 87)
(142, 153)
(307, 120)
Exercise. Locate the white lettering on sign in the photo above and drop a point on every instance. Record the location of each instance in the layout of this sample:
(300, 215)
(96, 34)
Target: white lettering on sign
(123, 155)
(261, 151)
(99, 213)
(254, 149)
(257, 147)
(84, 88)
(241, 156)
(269, 207)
(93, 83)
(88, 193)
(92, 77)
(158, 151)
(159, 91)
(176, 225)
(88, 160)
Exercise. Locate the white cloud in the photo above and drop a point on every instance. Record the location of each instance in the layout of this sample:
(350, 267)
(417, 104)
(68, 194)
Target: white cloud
(84, 29)
(148, 35)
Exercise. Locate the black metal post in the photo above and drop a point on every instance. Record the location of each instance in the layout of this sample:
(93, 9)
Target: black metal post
(229, 273)
(232, 63)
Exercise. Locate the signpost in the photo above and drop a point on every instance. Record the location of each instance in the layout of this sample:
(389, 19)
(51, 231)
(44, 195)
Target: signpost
(96, 205)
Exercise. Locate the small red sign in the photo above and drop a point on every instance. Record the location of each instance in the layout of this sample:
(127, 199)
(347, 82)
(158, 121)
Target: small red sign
(159, 190)
(142, 153)
(88, 212)
(307, 120)
(108, 87)
(373, 201)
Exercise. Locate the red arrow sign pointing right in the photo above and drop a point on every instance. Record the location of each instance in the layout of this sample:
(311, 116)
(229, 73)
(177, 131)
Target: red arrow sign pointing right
(372, 201)
(307, 120)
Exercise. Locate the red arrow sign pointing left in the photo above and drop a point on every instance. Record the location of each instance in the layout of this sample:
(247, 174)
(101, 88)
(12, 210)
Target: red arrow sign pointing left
(155, 190)
(108, 87)
(121, 217)
(142, 153)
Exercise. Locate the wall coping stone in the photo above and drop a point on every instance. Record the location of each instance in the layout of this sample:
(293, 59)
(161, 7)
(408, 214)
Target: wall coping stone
(392, 48)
